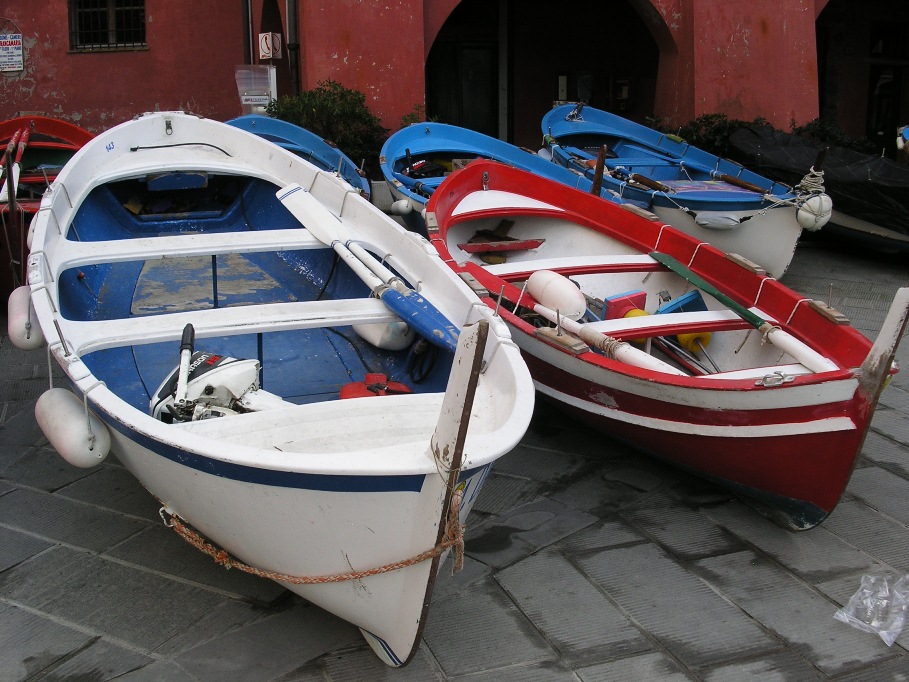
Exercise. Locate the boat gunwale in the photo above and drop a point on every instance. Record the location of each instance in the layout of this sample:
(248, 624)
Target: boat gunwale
(494, 283)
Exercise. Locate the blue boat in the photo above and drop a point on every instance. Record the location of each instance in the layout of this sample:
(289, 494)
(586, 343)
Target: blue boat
(713, 199)
(416, 159)
(321, 153)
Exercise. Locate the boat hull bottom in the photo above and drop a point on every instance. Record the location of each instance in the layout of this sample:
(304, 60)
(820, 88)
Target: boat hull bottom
(786, 511)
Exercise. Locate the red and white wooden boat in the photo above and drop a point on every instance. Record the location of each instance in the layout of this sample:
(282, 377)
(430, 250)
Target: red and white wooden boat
(34, 149)
(685, 352)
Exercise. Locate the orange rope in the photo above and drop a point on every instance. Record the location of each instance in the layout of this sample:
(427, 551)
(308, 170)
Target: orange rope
(453, 537)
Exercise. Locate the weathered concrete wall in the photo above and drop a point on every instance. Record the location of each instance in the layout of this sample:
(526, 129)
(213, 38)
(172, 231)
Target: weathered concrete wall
(743, 59)
(374, 47)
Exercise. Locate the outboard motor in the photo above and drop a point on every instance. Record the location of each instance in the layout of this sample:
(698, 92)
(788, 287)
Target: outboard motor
(204, 385)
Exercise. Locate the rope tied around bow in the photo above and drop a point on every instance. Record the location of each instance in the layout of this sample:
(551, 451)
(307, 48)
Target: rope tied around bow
(453, 538)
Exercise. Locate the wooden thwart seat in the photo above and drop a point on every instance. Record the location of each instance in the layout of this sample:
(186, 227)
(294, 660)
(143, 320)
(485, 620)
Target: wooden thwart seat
(85, 337)
(574, 265)
(80, 254)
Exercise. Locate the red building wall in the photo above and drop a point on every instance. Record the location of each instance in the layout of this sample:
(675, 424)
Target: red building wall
(745, 59)
(376, 48)
(193, 48)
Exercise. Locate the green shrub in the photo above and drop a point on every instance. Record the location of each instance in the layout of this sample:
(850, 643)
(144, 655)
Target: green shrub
(340, 115)
(825, 131)
(711, 132)
(416, 115)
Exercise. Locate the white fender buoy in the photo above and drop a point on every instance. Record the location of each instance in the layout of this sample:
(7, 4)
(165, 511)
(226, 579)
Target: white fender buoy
(83, 442)
(717, 220)
(22, 322)
(396, 335)
(815, 212)
(401, 207)
(557, 292)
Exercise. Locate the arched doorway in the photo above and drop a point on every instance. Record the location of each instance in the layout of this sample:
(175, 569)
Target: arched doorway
(496, 67)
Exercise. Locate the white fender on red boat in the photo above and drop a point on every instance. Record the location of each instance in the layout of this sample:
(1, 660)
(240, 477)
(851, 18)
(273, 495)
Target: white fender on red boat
(815, 212)
(557, 292)
(81, 439)
(798, 350)
(22, 323)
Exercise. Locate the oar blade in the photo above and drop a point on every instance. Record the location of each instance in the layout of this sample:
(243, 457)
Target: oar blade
(422, 316)
(412, 308)
(310, 213)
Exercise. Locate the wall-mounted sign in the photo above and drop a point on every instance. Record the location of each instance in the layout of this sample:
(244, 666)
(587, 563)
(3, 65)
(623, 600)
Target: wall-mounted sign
(269, 46)
(255, 100)
(11, 52)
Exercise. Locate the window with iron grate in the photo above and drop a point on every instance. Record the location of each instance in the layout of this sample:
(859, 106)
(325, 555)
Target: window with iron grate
(106, 24)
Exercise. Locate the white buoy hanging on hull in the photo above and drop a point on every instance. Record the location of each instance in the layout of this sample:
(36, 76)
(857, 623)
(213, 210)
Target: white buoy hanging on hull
(22, 323)
(401, 207)
(79, 436)
(815, 212)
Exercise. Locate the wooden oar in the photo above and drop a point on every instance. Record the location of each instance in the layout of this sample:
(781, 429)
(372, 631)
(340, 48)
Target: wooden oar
(597, 185)
(779, 338)
(626, 175)
(599, 168)
(407, 304)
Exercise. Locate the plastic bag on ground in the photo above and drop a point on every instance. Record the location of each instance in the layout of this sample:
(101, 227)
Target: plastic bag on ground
(879, 606)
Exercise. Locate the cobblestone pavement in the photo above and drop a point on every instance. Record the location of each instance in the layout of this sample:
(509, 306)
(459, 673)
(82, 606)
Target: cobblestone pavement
(585, 561)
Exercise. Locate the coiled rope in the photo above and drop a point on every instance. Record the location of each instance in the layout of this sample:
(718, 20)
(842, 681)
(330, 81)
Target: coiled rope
(453, 538)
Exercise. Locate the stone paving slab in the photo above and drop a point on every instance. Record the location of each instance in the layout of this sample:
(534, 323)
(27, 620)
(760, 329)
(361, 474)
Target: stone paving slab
(892, 424)
(113, 488)
(268, 647)
(645, 667)
(503, 492)
(40, 467)
(161, 549)
(63, 520)
(580, 621)
(482, 629)
(882, 490)
(585, 561)
(502, 540)
(18, 546)
(101, 660)
(814, 555)
(887, 453)
(32, 643)
(879, 536)
(687, 533)
(128, 605)
(792, 610)
(784, 666)
(680, 611)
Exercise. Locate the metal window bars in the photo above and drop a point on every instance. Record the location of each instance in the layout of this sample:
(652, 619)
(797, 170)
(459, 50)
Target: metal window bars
(106, 24)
